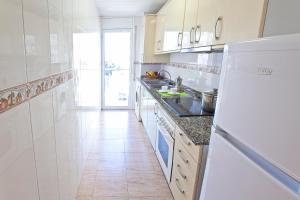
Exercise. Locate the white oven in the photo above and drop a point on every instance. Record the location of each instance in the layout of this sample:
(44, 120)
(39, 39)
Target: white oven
(165, 144)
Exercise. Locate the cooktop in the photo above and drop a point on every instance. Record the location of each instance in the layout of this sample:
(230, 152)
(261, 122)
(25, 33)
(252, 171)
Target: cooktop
(186, 106)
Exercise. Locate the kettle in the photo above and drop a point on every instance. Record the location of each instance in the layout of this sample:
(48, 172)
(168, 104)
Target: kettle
(209, 100)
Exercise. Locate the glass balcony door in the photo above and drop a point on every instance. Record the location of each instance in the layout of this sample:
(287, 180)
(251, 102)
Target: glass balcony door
(116, 69)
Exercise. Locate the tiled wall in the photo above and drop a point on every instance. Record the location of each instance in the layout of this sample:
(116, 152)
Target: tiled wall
(42, 134)
(200, 71)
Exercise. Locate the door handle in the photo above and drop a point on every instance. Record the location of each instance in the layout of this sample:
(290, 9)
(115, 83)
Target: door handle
(155, 108)
(198, 30)
(182, 156)
(179, 171)
(178, 39)
(179, 186)
(191, 35)
(218, 35)
(184, 140)
(158, 45)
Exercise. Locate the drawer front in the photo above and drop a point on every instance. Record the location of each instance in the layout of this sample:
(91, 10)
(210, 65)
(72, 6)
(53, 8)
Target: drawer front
(184, 159)
(184, 173)
(189, 176)
(193, 150)
(180, 188)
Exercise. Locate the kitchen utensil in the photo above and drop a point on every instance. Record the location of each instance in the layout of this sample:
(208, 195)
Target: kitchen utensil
(209, 100)
(173, 90)
(164, 88)
(179, 84)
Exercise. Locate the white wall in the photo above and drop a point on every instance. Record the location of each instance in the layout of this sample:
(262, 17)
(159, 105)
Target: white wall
(42, 140)
(117, 22)
(197, 79)
(282, 17)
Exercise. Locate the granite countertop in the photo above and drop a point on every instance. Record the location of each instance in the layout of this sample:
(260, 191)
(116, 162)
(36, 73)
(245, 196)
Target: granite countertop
(197, 129)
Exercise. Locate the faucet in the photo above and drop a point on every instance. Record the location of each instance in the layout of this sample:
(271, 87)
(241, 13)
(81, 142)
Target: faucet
(165, 71)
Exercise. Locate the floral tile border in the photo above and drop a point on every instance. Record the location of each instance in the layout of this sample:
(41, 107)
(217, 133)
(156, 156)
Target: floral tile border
(197, 67)
(149, 63)
(14, 96)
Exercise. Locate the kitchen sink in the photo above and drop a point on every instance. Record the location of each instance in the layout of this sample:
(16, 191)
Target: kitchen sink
(157, 86)
(156, 82)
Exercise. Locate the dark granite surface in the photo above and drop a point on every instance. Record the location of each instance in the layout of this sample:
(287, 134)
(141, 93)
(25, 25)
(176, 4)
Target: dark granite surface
(198, 129)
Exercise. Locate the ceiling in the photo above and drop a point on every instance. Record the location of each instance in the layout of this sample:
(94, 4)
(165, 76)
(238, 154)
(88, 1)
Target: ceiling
(111, 8)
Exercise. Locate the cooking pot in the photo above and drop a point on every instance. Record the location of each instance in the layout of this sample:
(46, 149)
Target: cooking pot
(209, 100)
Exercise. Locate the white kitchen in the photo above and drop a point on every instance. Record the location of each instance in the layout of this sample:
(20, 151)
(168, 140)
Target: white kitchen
(149, 100)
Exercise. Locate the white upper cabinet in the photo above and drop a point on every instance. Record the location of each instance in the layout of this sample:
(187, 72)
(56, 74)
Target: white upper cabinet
(239, 20)
(224, 21)
(190, 21)
(149, 45)
(172, 17)
(208, 13)
(199, 23)
(159, 32)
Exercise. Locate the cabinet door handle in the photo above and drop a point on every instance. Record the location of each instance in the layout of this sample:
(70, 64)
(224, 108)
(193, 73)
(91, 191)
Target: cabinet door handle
(136, 96)
(184, 140)
(179, 186)
(155, 108)
(198, 30)
(180, 172)
(218, 35)
(178, 39)
(158, 45)
(191, 35)
(182, 156)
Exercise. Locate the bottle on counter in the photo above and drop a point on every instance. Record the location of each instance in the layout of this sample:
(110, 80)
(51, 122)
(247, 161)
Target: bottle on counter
(179, 84)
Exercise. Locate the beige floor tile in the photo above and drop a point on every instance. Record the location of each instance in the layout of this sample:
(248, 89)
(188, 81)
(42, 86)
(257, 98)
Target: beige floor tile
(111, 173)
(106, 187)
(91, 165)
(151, 189)
(144, 157)
(138, 146)
(111, 165)
(84, 198)
(145, 177)
(151, 198)
(108, 146)
(85, 190)
(107, 156)
(138, 166)
(88, 179)
(147, 184)
(111, 198)
(121, 163)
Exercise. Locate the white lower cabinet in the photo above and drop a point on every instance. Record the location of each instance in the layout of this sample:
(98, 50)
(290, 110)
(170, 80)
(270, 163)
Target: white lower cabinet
(144, 103)
(148, 115)
(152, 122)
(187, 162)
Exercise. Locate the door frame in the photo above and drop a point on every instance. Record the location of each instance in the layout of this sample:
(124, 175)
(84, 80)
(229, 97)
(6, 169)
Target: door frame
(131, 75)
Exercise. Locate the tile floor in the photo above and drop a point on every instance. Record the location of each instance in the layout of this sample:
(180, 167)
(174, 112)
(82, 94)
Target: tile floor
(121, 164)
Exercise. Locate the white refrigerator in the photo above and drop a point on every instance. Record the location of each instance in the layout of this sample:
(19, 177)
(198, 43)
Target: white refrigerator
(254, 153)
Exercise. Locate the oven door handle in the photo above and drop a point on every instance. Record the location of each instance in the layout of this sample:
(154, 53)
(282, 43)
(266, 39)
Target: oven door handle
(166, 134)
